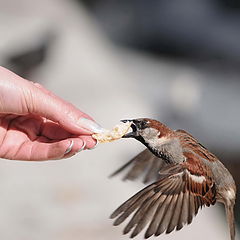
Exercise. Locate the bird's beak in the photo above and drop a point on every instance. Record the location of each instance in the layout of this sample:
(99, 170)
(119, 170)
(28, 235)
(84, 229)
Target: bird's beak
(132, 133)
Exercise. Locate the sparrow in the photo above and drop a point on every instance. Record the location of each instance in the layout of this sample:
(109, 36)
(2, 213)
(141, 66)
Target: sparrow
(185, 177)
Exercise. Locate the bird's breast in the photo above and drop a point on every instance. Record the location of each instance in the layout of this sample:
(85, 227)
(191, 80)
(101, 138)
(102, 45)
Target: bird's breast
(167, 149)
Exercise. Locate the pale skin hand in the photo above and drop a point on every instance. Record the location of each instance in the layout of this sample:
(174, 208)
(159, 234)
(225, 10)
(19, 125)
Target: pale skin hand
(37, 125)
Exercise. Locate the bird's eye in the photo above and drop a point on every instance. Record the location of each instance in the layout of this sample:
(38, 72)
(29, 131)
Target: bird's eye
(143, 124)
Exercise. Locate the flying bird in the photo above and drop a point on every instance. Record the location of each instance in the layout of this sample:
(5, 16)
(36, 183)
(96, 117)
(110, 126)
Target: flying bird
(185, 176)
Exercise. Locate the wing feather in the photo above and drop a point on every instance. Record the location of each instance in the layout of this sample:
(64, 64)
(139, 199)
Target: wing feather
(184, 211)
(144, 164)
(156, 217)
(130, 206)
(153, 172)
(138, 218)
(146, 217)
(131, 201)
(163, 225)
(176, 213)
(167, 204)
(139, 214)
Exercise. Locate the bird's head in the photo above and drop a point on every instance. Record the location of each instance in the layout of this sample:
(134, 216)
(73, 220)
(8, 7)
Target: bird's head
(148, 131)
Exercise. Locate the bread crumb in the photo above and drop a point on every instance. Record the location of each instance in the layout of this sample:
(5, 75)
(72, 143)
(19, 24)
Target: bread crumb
(111, 135)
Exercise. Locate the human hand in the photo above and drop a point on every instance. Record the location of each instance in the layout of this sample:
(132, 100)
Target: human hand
(37, 125)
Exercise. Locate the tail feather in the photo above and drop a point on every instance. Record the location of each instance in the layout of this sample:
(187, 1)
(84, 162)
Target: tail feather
(230, 218)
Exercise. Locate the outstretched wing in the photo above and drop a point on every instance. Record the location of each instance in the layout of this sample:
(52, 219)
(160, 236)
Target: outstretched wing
(167, 204)
(144, 163)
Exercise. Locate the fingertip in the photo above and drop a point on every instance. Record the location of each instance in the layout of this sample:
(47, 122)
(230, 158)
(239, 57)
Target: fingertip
(83, 147)
(75, 145)
(89, 125)
(91, 147)
(69, 149)
(90, 142)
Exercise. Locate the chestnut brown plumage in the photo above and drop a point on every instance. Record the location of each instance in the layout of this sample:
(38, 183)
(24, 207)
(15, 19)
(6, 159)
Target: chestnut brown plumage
(185, 176)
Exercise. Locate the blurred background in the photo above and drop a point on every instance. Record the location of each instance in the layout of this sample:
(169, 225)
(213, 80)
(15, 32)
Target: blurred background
(179, 63)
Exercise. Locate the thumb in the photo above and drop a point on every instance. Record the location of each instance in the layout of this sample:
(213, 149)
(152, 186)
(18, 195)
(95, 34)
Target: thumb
(44, 103)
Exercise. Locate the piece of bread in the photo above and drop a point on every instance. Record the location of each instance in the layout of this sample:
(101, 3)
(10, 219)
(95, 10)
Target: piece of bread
(110, 135)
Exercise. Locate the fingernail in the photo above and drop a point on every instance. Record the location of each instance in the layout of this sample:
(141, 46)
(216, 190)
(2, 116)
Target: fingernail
(83, 146)
(69, 149)
(94, 146)
(90, 125)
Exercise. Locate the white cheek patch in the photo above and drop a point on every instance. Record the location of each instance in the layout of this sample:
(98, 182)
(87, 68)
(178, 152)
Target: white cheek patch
(150, 132)
(157, 142)
(151, 136)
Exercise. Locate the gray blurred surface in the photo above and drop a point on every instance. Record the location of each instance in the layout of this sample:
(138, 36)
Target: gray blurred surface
(72, 199)
(200, 29)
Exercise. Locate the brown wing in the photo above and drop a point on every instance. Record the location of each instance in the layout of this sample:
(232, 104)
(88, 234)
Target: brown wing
(144, 163)
(167, 204)
(188, 141)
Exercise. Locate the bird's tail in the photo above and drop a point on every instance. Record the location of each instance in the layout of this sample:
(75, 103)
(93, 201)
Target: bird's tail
(230, 218)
